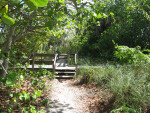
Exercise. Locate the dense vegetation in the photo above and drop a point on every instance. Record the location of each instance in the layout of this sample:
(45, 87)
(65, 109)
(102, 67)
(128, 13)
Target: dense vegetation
(100, 31)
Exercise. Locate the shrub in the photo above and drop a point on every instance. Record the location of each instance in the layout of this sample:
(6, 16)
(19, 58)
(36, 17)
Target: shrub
(131, 55)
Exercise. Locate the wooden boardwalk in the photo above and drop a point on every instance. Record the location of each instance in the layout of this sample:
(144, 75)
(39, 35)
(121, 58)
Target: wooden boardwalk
(58, 64)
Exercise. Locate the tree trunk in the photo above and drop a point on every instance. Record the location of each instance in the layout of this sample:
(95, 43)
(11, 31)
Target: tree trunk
(7, 49)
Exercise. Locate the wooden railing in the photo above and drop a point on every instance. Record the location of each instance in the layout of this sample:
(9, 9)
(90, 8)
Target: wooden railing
(41, 58)
(50, 59)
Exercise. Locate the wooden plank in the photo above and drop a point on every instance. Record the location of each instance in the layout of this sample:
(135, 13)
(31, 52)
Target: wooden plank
(64, 77)
(64, 72)
(65, 68)
(63, 54)
(44, 62)
(43, 55)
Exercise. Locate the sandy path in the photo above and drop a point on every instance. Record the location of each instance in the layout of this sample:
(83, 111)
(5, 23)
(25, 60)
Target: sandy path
(66, 97)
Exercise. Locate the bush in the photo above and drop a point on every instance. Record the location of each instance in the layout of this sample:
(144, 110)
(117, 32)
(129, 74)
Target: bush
(131, 55)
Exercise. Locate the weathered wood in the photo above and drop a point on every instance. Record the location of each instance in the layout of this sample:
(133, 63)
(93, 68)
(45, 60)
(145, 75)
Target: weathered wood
(68, 59)
(35, 59)
(76, 62)
(43, 62)
(64, 77)
(33, 62)
(44, 55)
(54, 64)
(65, 71)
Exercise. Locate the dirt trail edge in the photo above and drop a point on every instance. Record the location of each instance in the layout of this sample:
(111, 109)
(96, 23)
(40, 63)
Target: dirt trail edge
(66, 97)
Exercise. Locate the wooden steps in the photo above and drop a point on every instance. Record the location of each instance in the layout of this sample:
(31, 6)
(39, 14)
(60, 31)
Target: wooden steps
(64, 77)
(65, 73)
(58, 64)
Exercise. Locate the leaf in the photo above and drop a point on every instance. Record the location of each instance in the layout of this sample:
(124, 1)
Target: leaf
(24, 92)
(7, 20)
(99, 15)
(4, 10)
(11, 94)
(33, 111)
(12, 75)
(104, 15)
(41, 3)
(31, 4)
(42, 111)
(34, 97)
(25, 109)
(21, 97)
(27, 96)
(15, 1)
(61, 1)
(34, 4)
(38, 93)
(49, 25)
(79, 1)
(10, 82)
(21, 77)
(111, 13)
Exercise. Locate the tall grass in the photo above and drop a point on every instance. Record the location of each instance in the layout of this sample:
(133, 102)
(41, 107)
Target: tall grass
(130, 85)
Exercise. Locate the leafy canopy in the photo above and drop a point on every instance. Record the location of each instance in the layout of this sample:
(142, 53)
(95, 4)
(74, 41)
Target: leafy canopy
(4, 9)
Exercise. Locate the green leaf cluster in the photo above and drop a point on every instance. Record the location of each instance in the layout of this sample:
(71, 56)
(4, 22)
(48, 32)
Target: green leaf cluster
(3, 13)
(131, 55)
(125, 109)
(32, 4)
(11, 78)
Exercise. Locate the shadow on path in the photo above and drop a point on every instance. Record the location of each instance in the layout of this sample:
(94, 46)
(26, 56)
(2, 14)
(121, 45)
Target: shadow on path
(57, 107)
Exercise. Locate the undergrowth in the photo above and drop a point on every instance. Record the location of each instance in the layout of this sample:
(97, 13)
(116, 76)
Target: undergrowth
(129, 84)
(24, 91)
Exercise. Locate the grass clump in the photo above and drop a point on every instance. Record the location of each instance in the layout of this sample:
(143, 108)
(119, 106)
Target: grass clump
(129, 84)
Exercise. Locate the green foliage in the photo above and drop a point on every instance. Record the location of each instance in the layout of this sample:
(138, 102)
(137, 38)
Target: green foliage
(131, 55)
(24, 96)
(7, 20)
(46, 102)
(129, 84)
(125, 22)
(11, 79)
(125, 109)
(87, 75)
(33, 4)
(15, 2)
(26, 91)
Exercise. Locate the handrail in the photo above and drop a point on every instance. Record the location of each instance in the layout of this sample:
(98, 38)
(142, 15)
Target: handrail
(54, 60)
(54, 64)
(42, 55)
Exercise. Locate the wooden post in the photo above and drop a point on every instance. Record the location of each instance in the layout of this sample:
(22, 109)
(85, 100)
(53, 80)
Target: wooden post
(33, 62)
(68, 59)
(54, 64)
(76, 62)
(53, 69)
